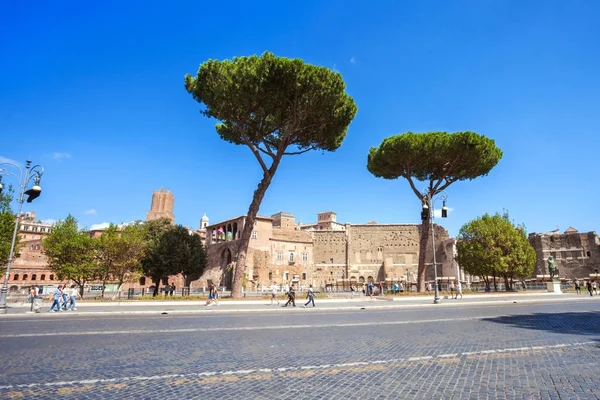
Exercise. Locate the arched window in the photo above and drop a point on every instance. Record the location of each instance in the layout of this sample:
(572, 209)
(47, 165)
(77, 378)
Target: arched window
(270, 276)
(51, 277)
(34, 277)
(43, 277)
(291, 257)
(25, 276)
(361, 279)
(370, 279)
(143, 281)
(16, 277)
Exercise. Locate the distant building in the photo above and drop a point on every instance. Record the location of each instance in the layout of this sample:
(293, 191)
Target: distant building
(31, 267)
(576, 255)
(326, 221)
(324, 253)
(162, 206)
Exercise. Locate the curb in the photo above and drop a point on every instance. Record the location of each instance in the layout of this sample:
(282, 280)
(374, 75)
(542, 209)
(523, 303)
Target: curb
(277, 309)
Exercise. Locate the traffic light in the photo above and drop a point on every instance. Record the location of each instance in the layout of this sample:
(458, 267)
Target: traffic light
(33, 193)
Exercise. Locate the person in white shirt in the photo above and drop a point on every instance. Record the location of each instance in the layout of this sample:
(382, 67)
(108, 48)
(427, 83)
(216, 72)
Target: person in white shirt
(459, 290)
(310, 296)
(274, 293)
(73, 297)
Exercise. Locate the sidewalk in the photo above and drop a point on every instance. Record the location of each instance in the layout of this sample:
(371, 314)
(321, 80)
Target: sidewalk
(244, 306)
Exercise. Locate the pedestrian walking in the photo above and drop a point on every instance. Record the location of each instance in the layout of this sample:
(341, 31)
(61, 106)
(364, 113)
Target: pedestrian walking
(73, 293)
(594, 287)
(65, 298)
(370, 289)
(56, 296)
(310, 295)
(215, 298)
(274, 293)
(172, 288)
(380, 288)
(589, 288)
(577, 286)
(459, 290)
(291, 297)
(400, 287)
(352, 290)
(451, 287)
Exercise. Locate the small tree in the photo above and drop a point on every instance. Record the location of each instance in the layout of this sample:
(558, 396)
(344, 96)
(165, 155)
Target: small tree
(132, 248)
(437, 158)
(108, 248)
(157, 260)
(275, 106)
(194, 263)
(7, 226)
(70, 252)
(494, 246)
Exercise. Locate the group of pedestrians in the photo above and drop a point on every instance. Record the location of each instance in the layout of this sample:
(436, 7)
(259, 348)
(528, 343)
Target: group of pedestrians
(591, 287)
(290, 291)
(64, 298)
(169, 289)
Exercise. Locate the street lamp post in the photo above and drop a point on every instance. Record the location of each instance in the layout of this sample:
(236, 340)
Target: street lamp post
(427, 213)
(31, 173)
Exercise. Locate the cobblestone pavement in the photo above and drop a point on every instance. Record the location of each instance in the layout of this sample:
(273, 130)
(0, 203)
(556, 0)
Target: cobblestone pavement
(528, 351)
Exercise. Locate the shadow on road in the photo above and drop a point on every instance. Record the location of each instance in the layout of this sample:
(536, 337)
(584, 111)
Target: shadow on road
(575, 323)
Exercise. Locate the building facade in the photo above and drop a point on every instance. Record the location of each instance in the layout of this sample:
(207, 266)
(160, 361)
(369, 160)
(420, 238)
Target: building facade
(31, 267)
(576, 255)
(325, 253)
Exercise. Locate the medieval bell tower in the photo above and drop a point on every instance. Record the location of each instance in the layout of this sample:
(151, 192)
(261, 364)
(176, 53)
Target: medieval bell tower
(162, 206)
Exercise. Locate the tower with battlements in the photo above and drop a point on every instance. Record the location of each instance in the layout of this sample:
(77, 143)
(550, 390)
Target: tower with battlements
(162, 206)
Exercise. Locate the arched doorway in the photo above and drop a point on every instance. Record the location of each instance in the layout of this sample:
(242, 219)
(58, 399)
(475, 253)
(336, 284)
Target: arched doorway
(226, 270)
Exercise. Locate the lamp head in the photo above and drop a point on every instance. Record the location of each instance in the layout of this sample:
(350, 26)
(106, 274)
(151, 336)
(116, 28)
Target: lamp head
(35, 190)
(444, 210)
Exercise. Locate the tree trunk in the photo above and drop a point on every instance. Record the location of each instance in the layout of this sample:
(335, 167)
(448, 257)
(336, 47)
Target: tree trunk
(155, 293)
(486, 280)
(423, 242)
(259, 194)
(495, 283)
(81, 288)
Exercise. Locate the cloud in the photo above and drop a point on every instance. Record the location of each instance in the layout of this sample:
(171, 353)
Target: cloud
(60, 156)
(334, 68)
(102, 225)
(437, 213)
(8, 160)
(49, 221)
(91, 211)
(353, 60)
(105, 225)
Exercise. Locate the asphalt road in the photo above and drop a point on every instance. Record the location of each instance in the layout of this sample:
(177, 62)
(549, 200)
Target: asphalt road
(471, 351)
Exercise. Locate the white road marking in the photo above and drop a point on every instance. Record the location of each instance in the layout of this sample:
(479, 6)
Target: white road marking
(244, 328)
(285, 369)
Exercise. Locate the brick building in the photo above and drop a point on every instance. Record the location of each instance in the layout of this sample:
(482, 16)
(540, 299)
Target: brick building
(324, 253)
(576, 255)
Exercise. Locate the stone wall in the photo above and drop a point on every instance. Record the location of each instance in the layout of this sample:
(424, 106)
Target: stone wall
(576, 255)
(375, 251)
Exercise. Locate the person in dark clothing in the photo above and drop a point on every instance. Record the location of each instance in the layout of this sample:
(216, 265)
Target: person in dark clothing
(172, 289)
(589, 288)
(291, 297)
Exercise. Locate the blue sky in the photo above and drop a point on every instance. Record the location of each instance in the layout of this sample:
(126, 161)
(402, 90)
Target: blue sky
(94, 92)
